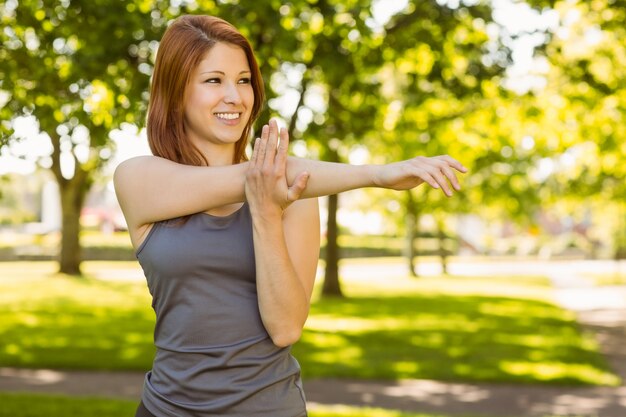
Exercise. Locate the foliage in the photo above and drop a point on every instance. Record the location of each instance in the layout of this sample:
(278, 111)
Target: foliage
(56, 67)
(391, 327)
(456, 105)
(79, 69)
(587, 75)
(14, 208)
(428, 81)
(583, 107)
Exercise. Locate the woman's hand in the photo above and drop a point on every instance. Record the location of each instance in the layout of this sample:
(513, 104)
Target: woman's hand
(437, 171)
(266, 187)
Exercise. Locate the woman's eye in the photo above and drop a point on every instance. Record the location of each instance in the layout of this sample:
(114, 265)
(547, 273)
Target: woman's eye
(213, 81)
(245, 81)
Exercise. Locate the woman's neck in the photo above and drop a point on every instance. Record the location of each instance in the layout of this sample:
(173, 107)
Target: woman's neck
(217, 155)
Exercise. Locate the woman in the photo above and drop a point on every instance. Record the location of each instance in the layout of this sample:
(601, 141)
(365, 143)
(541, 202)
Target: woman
(229, 246)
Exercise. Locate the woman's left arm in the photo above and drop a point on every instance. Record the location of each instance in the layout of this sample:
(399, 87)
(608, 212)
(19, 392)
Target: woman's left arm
(286, 255)
(286, 238)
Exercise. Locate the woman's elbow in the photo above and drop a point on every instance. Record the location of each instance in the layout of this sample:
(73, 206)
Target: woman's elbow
(286, 337)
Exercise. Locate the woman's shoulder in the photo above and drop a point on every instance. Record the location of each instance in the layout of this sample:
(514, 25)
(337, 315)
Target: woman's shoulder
(140, 168)
(133, 164)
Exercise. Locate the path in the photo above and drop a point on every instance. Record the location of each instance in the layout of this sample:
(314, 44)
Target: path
(601, 310)
(411, 395)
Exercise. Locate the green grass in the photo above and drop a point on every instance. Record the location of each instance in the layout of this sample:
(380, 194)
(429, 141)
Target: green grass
(38, 405)
(49, 320)
(608, 278)
(446, 328)
(96, 238)
(51, 240)
(459, 329)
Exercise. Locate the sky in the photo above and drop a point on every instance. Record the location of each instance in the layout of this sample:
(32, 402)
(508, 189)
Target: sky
(524, 23)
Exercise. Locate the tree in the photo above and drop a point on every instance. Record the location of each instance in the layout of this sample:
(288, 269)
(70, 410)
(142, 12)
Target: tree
(584, 99)
(80, 68)
(327, 44)
(57, 69)
(438, 79)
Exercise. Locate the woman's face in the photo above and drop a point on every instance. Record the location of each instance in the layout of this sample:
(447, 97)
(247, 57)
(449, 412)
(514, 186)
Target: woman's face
(219, 97)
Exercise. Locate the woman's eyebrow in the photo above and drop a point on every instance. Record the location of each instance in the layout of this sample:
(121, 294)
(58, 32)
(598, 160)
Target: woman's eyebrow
(223, 73)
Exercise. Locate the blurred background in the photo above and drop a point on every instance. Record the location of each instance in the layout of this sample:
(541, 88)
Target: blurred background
(529, 95)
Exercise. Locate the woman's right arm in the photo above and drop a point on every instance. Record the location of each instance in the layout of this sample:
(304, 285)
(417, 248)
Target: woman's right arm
(151, 189)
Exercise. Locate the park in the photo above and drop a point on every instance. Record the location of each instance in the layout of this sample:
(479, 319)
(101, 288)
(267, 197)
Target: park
(507, 299)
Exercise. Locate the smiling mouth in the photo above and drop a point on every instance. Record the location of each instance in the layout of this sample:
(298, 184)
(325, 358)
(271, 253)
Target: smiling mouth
(228, 116)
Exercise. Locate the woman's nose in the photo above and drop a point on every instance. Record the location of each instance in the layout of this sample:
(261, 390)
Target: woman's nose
(231, 94)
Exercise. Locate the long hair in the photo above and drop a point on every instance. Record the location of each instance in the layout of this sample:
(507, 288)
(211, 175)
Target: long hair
(184, 44)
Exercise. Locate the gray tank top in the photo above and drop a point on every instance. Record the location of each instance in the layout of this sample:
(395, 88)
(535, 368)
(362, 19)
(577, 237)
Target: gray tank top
(214, 356)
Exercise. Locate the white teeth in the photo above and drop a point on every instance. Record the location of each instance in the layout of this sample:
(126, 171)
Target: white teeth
(228, 116)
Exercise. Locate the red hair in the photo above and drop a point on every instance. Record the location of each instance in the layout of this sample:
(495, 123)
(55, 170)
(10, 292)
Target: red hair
(185, 42)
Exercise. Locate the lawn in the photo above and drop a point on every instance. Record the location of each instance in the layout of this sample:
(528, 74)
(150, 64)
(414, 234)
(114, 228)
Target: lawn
(36, 405)
(496, 329)
(608, 278)
(59, 322)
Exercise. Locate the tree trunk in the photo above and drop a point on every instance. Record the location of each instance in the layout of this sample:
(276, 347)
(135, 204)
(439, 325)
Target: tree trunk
(620, 235)
(411, 224)
(73, 192)
(443, 252)
(72, 198)
(331, 285)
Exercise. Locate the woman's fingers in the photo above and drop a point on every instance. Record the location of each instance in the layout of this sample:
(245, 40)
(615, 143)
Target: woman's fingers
(453, 163)
(451, 176)
(428, 178)
(266, 184)
(448, 164)
(283, 146)
(443, 184)
(255, 152)
(295, 191)
(438, 172)
(272, 142)
(260, 157)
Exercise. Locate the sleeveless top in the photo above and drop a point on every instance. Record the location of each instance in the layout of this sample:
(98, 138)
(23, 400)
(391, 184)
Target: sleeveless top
(213, 354)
